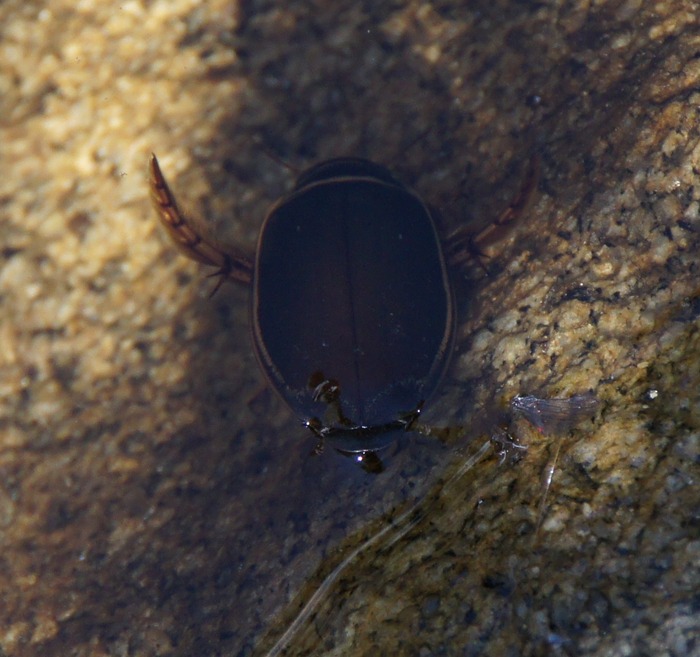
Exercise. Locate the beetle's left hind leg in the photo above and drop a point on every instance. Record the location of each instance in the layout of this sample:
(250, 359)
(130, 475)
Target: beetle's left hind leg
(463, 244)
(230, 263)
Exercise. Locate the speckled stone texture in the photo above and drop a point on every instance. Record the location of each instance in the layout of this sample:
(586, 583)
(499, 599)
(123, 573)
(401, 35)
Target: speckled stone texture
(156, 499)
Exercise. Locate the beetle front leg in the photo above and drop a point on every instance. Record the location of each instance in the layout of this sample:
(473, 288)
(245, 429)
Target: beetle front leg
(230, 264)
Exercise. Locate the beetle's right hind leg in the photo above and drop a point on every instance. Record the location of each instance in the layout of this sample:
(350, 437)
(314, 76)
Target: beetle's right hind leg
(230, 264)
(464, 244)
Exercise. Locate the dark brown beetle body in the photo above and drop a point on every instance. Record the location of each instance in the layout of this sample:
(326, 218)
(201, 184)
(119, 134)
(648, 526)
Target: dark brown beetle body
(352, 309)
(350, 286)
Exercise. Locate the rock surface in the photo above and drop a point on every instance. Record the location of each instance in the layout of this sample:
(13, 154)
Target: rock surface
(155, 499)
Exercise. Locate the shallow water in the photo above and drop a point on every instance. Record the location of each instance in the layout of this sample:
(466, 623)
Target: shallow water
(154, 500)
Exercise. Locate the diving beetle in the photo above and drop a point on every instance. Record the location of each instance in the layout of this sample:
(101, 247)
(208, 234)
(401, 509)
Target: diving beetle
(352, 307)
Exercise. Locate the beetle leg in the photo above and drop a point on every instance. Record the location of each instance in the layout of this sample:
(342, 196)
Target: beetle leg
(328, 391)
(188, 239)
(463, 244)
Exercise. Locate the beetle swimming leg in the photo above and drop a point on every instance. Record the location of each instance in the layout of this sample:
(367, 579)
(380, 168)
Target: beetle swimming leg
(463, 243)
(189, 241)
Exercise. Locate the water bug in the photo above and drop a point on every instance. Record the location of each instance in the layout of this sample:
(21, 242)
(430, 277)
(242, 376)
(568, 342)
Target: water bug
(352, 307)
